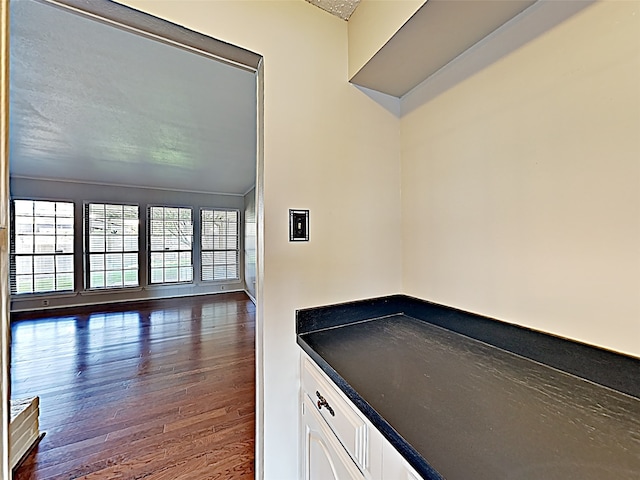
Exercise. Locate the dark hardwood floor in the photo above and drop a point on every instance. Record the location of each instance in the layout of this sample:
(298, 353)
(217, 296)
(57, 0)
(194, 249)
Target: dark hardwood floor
(161, 390)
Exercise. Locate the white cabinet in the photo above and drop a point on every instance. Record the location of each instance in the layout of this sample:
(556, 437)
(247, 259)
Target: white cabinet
(344, 420)
(325, 458)
(337, 441)
(395, 466)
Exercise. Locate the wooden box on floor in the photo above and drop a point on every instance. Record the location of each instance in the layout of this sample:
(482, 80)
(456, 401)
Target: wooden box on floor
(24, 430)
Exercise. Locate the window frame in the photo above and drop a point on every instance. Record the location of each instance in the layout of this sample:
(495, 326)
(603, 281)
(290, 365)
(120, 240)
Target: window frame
(150, 251)
(13, 255)
(213, 250)
(86, 262)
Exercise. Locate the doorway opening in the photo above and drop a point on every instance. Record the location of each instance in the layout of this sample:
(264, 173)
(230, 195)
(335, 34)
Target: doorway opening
(117, 138)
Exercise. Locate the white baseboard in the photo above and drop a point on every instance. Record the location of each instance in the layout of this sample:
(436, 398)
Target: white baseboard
(251, 297)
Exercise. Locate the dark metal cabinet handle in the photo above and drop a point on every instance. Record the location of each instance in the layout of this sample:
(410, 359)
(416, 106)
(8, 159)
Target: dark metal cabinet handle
(323, 403)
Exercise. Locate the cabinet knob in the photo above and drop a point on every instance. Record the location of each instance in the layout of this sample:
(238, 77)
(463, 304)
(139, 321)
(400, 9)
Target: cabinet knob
(323, 403)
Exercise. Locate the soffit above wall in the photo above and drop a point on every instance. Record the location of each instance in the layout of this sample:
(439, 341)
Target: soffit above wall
(93, 103)
(437, 33)
(340, 8)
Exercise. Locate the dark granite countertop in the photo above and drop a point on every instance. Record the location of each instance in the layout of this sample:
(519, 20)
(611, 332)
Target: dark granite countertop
(460, 408)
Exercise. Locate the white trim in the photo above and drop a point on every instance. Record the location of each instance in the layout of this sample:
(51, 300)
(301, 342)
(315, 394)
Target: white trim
(42, 295)
(251, 297)
(259, 329)
(5, 472)
(125, 300)
(247, 192)
(5, 331)
(160, 38)
(108, 291)
(107, 184)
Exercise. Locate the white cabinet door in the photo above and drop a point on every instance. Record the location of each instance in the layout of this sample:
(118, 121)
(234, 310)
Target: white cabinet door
(394, 466)
(324, 456)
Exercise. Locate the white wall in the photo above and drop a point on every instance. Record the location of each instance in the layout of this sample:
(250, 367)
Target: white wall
(521, 181)
(250, 243)
(327, 148)
(80, 193)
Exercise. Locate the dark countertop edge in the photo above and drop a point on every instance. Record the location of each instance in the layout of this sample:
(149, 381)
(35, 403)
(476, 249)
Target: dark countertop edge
(604, 367)
(406, 450)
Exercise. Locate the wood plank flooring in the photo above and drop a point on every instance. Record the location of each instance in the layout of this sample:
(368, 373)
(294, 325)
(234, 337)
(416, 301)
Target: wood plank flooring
(157, 390)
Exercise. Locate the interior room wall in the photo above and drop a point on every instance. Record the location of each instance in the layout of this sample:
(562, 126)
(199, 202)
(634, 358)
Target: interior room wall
(328, 148)
(250, 245)
(80, 193)
(521, 182)
(372, 25)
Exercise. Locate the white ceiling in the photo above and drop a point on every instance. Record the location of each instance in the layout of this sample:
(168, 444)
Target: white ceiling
(93, 103)
(340, 8)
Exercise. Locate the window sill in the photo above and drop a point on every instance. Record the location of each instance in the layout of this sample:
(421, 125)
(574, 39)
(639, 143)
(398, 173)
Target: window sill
(109, 291)
(35, 296)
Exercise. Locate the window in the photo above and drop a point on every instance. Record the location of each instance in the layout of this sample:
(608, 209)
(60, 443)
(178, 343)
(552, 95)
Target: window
(42, 247)
(170, 244)
(219, 241)
(112, 245)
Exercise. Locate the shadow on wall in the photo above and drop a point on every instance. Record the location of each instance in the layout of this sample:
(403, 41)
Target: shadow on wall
(386, 101)
(525, 27)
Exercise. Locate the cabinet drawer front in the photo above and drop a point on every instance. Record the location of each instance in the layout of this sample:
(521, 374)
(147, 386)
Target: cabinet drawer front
(324, 457)
(342, 418)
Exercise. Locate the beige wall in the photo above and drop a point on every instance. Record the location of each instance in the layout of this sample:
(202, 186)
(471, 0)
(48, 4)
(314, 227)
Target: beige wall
(373, 24)
(520, 193)
(327, 147)
(521, 182)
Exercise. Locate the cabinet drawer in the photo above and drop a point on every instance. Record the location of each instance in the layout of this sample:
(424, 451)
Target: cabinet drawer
(342, 418)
